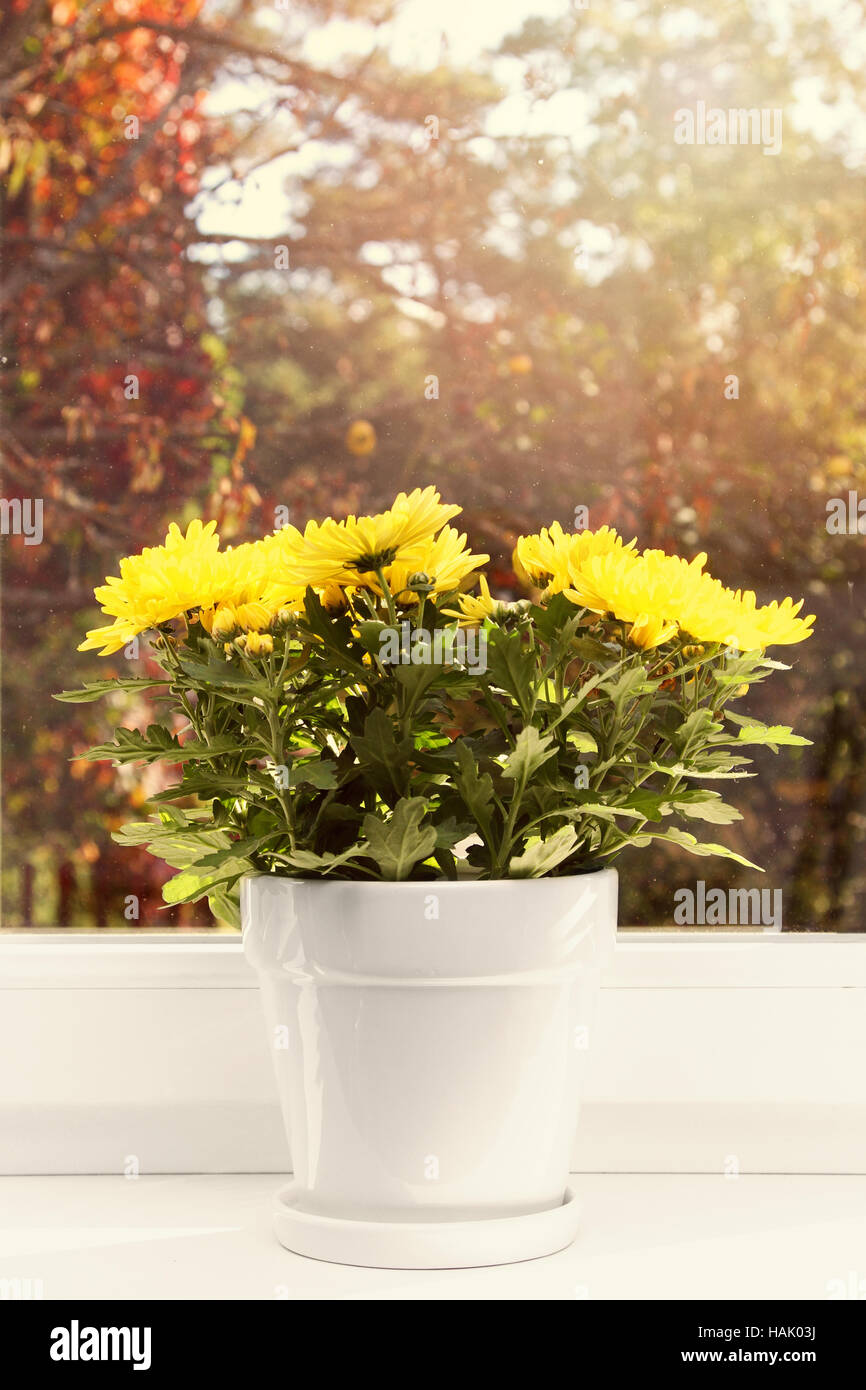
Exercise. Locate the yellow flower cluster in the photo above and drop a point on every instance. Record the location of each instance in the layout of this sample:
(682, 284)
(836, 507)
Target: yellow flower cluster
(185, 574)
(659, 595)
(247, 588)
(410, 550)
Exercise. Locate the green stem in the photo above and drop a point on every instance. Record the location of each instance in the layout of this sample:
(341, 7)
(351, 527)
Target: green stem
(508, 832)
(388, 596)
(283, 794)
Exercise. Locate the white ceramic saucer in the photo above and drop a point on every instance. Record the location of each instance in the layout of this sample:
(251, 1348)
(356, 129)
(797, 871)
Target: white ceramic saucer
(424, 1244)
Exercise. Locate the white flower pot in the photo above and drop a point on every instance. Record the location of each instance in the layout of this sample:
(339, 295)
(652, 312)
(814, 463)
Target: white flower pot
(429, 1042)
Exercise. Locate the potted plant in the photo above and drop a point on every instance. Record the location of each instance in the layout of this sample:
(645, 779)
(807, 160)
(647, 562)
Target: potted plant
(416, 791)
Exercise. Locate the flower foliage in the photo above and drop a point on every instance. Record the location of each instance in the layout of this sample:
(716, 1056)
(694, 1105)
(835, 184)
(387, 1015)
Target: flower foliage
(341, 704)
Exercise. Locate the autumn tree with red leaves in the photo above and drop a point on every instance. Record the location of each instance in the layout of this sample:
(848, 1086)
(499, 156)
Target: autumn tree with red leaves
(119, 407)
(114, 391)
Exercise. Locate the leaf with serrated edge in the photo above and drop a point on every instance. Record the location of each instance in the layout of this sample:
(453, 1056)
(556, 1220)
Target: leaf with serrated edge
(398, 844)
(543, 855)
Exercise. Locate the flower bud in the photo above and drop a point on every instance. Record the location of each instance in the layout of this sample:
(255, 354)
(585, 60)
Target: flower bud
(224, 626)
(420, 583)
(259, 644)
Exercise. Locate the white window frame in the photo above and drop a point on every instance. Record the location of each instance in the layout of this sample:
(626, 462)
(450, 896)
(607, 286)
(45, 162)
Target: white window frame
(726, 1051)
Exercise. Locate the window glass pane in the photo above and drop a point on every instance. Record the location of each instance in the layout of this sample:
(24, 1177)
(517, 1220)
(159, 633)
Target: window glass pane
(267, 261)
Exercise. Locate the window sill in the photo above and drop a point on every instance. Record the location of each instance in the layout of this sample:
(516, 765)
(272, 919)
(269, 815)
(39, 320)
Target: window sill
(674, 1238)
(712, 1052)
(645, 959)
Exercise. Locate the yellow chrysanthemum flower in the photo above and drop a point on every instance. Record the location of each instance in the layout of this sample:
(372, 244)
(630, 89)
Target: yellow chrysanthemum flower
(446, 561)
(348, 552)
(649, 630)
(242, 573)
(336, 598)
(633, 586)
(716, 614)
(277, 590)
(160, 584)
(778, 623)
(228, 619)
(251, 593)
(475, 608)
(108, 639)
(552, 557)
(654, 592)
(712, 613)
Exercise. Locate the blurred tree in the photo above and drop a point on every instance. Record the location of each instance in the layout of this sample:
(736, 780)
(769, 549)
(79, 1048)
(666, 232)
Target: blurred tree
(599, 315)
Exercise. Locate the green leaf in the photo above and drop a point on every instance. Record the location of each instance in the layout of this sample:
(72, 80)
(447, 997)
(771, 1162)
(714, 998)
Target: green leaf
(753, 731)
(370, 634)
(94, 690)
(417, 679)
(649, 804)
(531, 750)
(321, 864)
(556, 620)
(239, 849)
(223, 676)
(475, 788)
(704, 805)
(315, 772)
(379, 751)
(565, 711)
(709, 770)
(588, 649)
(333, 633)
(399, 843)
(702, 848)
(139, 833)
(627, 686)
(510, 666)
(176, 847)
(695, 730)
(543, 855)
(173, 816)
(194, 883)
(451, 831)
(224, 903)
(158, 745)
(447, 863)
(200, 781)
(581, 741)
(607, 812)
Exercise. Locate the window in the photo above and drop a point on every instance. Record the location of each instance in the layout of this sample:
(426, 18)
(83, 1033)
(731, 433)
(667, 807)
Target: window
(261, 260)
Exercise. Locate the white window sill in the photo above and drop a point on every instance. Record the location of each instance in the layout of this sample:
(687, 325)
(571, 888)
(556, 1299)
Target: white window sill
(665, 1237)
(661, 959)
(712, 1051)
